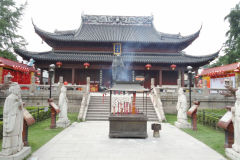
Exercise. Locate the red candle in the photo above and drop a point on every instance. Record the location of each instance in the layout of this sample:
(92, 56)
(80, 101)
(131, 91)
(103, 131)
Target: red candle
(118, 108)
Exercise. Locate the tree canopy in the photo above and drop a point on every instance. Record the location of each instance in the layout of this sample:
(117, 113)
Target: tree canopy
(232, 45)
(10, 14)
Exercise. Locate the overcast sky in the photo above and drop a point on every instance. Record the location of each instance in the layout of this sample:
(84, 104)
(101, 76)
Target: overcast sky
(170, 16)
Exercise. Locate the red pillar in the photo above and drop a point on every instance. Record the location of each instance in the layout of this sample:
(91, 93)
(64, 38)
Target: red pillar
(160, 77)
(73, 75)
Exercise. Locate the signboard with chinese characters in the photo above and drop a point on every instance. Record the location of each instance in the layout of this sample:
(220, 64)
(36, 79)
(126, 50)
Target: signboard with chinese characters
(117, 48)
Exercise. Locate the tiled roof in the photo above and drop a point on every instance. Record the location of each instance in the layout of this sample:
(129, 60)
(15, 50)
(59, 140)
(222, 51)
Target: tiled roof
(13, 64)
(117, 29)
(221, 69)
(176, 58)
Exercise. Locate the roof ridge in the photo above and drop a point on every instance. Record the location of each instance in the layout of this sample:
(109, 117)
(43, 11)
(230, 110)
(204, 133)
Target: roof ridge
(108, 19)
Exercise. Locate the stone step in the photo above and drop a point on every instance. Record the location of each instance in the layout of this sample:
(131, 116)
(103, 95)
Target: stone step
(108, 106)
(107, 109)
(96, 119)
(100, 105)
(106, 119)
(99, 111)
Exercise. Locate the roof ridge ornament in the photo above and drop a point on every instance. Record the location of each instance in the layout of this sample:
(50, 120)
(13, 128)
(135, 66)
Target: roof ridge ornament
(105, 19)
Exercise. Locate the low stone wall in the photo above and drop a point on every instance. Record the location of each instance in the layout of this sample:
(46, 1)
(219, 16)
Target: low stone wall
(74, 101)
(213, 102)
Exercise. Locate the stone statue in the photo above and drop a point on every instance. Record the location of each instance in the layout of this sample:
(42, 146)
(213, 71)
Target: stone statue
(182, 110)
(119, 72)
(236, 122)
(12, 122)
(63, 120)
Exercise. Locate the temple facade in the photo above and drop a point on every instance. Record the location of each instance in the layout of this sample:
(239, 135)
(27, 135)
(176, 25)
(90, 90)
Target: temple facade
(90, 49)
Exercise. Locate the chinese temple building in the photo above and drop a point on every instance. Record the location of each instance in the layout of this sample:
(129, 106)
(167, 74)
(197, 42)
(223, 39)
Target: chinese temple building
(90, 49)
(215, 76)
(21, 73)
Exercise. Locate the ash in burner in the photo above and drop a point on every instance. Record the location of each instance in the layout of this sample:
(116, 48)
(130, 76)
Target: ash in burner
(119, 71)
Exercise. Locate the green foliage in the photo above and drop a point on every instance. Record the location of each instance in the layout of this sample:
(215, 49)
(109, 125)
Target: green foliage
(10, 15)
(8, 55)
(210, 117)
(40, 133)
(211, 137)
(171, 118)
(232, 51)
(38, 113)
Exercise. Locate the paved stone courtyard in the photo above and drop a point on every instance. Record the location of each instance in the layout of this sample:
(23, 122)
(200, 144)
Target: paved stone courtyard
(89, 141)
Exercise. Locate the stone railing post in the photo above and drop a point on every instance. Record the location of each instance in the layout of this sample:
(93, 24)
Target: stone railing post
(60, 84)
(88, 85)
(157, 103)
(32, 88)
(85, 101)
(205, 89)
(179, 83)
(152, 82)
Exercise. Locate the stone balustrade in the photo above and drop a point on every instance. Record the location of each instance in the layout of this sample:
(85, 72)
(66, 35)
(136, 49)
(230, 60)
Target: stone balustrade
(37, 95)
(209, 98)
(197, 91)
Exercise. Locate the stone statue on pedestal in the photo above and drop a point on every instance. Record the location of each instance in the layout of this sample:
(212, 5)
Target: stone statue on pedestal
(63, 120)
(182, 110)
(12, 122)
(236, 122)
(118, 70)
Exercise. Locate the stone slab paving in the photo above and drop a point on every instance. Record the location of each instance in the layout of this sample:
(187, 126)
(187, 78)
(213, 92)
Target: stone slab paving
(90, 141)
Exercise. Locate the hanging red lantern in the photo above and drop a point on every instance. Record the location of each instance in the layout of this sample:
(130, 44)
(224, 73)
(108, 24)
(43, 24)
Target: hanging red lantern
(65, 83)
(59, 64)
(86, 65)
(173, 66)
(148, 66)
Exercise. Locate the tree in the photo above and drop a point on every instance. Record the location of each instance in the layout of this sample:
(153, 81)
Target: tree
(10, 15)
(232, 51)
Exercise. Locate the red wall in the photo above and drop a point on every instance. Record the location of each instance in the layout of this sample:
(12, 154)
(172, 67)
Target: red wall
(20, 77)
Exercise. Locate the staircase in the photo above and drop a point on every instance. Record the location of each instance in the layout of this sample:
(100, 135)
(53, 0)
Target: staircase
(99, 111)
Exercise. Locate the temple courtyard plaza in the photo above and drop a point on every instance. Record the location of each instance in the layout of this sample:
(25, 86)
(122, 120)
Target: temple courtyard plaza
(89, 141)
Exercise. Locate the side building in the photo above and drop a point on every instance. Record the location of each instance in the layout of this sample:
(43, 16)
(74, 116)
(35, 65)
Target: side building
(90, 50)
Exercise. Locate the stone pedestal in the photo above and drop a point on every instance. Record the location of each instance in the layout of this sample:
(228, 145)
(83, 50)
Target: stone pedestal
(182, 125)
(128, 126)
(63, 124)
(18, 156)
(232, 154)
